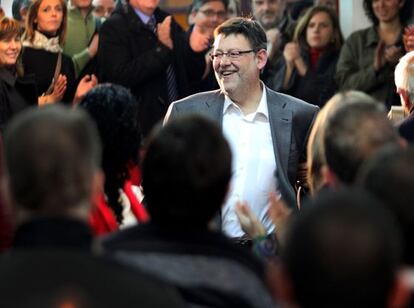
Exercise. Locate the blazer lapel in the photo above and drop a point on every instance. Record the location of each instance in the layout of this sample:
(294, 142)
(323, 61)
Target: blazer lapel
(215, 105)
(280, 118)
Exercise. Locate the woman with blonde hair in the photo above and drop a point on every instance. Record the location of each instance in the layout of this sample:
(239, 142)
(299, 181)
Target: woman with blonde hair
(42, 55)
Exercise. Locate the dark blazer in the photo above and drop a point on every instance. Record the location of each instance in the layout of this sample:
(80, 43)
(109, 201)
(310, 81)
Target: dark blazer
(131, 55)
(290, 123)
(16, 94)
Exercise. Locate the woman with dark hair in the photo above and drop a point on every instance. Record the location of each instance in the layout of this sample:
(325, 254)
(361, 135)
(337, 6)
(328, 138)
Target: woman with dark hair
(16, 90)
(115, 112)
(368, 57)
(309, 62)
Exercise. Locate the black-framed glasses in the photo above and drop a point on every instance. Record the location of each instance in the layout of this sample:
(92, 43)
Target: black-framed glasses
(232, 54)
(212, 13)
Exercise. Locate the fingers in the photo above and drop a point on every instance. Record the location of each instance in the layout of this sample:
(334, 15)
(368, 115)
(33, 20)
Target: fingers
(278, 210)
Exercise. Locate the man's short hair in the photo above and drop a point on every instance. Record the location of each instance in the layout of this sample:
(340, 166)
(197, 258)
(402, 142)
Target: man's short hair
(404, 75)
(51, 154)
(389, 176)
(186, 172)
(353, 134)
(343, 251)
(247, 27)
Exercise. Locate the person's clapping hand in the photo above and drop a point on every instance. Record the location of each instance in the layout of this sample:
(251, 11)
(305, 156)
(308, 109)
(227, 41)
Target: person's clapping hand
(85, 85)
(408, 38)
(199, 40)
(248, 221)
(164, 32)
(291, 52)
(279, 213)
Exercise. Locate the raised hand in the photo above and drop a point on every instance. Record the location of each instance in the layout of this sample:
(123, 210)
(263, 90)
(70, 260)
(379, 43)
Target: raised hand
(199, 39)
(248, 221)
(164, 32)
(84, 86)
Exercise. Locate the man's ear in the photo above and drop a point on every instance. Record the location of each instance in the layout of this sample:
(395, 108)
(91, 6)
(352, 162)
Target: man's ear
(401, 292)
(405, 100)
(261, 58)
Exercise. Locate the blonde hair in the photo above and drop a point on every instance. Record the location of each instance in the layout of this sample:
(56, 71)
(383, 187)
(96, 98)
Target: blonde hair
(316, 158)
(31, 23)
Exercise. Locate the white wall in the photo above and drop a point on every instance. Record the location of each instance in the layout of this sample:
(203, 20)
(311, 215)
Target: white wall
(352, 16)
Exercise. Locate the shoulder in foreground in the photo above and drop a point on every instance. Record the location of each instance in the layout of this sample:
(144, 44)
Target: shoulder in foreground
(198, 97)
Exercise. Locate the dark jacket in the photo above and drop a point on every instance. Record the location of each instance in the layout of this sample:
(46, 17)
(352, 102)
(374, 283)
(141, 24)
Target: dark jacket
(131, 55)
(52, 260)
(406, 127)
(42, 64)
(16, 94)
(318, 84)
(197, 261)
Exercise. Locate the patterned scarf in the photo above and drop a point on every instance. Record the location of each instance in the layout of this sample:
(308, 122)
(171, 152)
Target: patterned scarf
(41, 41)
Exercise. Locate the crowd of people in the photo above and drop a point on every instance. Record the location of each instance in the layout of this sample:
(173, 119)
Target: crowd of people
(244, 162)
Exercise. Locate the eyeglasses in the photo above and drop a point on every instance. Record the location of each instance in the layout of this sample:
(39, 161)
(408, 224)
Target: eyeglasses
(211, 13)
(232, 54)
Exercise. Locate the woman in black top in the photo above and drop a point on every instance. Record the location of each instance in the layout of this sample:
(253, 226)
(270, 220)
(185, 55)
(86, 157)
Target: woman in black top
(16, 91)
(42, 40)
(309, 62)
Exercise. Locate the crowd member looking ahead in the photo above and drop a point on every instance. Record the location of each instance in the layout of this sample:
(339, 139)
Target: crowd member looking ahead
(42, 52)
(17, 89)
(309, 61)
(368, 57)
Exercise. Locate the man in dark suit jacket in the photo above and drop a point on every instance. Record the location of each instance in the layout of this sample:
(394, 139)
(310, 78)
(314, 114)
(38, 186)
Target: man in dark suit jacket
(268, 131)
(52, 159)
(145, 50)
(404, 82)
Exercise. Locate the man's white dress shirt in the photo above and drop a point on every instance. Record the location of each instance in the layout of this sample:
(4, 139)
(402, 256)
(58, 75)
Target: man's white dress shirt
(254, 164)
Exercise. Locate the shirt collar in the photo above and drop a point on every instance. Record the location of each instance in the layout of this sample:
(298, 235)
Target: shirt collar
(262, 109)
(144, 18)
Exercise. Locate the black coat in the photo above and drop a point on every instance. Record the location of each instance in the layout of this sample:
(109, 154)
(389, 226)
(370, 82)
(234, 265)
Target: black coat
(131, 55)
(42, 64)
(16, 94)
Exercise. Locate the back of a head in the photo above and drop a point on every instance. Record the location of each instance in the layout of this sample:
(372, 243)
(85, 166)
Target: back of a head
(186, 172)
(115, 112)
(404, 76)
(353, 134)
(51, 155)
(343, 252)
(390, 177)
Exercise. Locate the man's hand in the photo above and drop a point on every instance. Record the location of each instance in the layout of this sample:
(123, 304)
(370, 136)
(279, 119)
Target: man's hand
(199, 40)
(164, 32)
(279, 213)
(84, 86)
(248, 221)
